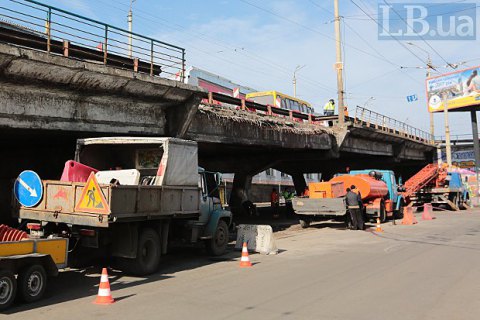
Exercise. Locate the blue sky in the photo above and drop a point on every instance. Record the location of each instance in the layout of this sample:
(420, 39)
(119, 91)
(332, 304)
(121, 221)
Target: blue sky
(259, 43)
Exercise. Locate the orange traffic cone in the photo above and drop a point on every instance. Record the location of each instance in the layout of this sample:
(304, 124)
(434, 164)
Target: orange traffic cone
(104, 295)
(245, 260)
(428, 212)
(408, 217)
(379, 227)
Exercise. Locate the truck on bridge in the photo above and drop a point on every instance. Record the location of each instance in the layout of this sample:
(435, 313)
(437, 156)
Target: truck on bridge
(380, 193)
(133, 214)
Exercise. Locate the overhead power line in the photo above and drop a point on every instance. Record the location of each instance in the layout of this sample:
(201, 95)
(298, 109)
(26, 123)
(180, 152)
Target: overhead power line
(392, 36)
(421, 37)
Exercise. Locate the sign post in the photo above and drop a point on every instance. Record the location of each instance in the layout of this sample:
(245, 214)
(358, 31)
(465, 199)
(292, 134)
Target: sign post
(448, 147)
(476, 146)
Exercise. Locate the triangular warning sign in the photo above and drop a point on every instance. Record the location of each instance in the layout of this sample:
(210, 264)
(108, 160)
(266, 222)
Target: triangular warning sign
(92, 198)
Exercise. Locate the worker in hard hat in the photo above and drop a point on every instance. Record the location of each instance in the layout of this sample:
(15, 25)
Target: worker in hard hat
(345, 111)
(329, 108)
(354, 203)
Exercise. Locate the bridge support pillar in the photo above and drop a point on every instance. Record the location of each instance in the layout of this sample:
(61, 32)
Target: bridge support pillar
(299, 182)
(242, 183)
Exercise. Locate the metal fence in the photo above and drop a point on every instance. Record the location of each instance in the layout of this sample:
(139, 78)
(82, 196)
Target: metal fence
(381, 122)
(31, 23)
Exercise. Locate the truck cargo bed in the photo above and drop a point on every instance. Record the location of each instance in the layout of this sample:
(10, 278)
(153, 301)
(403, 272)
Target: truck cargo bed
(124, 203)
(326, 207)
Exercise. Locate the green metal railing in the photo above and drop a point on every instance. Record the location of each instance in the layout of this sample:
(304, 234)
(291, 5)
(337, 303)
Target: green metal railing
(58, 31)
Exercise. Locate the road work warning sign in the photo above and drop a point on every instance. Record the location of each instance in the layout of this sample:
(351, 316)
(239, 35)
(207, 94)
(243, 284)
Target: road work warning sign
(92, 198)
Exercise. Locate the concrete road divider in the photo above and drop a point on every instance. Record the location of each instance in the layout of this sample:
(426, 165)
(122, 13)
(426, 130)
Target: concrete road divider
(259, 238)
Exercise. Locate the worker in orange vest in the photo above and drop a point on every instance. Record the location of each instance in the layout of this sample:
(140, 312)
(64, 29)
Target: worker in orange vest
(274, 202)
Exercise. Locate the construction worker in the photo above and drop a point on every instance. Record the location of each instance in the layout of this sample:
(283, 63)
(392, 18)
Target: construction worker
(345, 111)
(274, 203)
(329, 108)
(354, 206)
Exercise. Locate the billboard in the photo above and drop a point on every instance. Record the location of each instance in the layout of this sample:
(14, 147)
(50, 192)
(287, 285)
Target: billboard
(460, 89)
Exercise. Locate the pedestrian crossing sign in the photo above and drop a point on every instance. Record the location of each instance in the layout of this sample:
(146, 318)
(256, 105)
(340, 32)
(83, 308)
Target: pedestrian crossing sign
(92, 199)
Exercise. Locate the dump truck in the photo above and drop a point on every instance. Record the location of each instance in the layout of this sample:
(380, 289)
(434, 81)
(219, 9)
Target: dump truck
(26, 262)
(380, 193)
(129, 197)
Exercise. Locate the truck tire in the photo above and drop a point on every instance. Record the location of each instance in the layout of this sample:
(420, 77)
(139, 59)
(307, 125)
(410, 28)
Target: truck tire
(148, 255)
(383, 213)
(8, 288)
(32, 282)
(398, 214)
(218, 244)
(304, 222)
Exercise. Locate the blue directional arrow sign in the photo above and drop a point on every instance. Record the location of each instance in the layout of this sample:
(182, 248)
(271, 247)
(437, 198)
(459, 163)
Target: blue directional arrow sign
(28, 188)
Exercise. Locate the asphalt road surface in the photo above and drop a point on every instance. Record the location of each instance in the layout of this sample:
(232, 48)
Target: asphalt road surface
(426, 271)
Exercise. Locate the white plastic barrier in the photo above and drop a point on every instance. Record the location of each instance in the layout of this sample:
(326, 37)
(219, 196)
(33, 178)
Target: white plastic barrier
(128, 177)
(259, 238)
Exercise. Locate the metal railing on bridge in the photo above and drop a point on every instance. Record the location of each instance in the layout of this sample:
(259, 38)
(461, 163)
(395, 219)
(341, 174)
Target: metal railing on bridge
(363, 117)
(35, 25)
(383, 123)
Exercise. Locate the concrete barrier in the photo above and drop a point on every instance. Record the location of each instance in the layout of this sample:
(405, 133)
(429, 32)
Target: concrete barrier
(259, 238)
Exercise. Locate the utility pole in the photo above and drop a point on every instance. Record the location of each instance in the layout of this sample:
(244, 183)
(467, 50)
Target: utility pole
(432, 128)
(129, 20)
(295, 80)
(448, 147)
(339, 65)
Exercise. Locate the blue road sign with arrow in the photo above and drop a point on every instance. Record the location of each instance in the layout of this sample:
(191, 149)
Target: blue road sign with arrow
(28, 188)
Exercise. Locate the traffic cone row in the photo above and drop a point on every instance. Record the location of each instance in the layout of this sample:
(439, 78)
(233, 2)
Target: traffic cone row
(245, 260)
(104, 295)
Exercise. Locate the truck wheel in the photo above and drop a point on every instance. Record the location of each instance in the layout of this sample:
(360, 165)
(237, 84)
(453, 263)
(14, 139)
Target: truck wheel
(398, 214)
(8, 288)
(217, 245)
(148, 255)
(383, 213)
(32, 282)
(304, 223)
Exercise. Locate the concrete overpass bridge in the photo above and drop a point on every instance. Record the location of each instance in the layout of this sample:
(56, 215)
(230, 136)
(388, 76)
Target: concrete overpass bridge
(53, 92)
(47, 101)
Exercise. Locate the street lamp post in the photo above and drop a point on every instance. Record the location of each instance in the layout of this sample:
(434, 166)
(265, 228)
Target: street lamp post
(297, 68)
(129, 20)
(368, 100)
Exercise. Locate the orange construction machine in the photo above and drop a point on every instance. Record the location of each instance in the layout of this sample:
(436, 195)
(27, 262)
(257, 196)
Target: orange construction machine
(380, 194)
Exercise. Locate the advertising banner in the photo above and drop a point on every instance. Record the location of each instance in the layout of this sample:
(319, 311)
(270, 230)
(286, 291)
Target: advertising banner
(460, 89)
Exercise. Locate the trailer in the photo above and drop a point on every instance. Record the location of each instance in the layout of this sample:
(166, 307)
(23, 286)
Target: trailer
(129, 197)
(25, 266)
